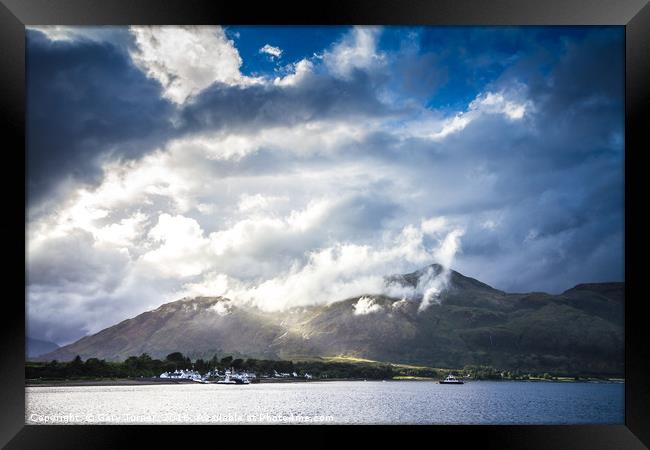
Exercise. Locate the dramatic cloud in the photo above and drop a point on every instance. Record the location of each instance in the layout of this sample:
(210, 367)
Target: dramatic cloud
(186, 60)
(87, 102)
(162, 163)
(336, 272)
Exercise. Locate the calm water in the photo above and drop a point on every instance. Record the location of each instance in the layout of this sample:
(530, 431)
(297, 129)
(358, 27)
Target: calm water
(479, 402)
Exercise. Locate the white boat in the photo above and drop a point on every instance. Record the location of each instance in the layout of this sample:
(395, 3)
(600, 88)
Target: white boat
(451, 380)
(233, 379)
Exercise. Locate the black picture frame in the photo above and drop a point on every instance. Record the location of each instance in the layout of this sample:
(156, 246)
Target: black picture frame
(16, 14)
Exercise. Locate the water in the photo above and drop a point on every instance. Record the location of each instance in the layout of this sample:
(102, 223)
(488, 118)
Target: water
(348, 402)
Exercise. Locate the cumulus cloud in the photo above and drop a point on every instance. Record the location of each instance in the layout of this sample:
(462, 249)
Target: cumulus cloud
(299, 72)
(181, 243)
(274, 52)
(186, 60)
(356, 51)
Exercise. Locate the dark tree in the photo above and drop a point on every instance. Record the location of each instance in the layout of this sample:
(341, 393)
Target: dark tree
(250, 364)
(176, 357)
(226, 362)
(201, 366)
(76, 366)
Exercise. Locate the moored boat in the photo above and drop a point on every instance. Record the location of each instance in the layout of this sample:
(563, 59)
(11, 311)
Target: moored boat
(451, 380)
(233, 379)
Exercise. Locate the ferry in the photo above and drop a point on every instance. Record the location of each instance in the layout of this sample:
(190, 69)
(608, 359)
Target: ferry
(451, 380)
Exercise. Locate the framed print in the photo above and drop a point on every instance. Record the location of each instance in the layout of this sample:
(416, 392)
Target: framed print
(415, 216)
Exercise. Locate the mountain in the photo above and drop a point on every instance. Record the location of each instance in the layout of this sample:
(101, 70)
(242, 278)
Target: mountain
(580, 330)
(37, 347)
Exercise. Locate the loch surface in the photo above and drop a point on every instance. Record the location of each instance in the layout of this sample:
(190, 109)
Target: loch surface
(347, 402)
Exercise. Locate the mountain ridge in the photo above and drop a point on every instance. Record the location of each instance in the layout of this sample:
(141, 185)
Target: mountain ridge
(471, 322)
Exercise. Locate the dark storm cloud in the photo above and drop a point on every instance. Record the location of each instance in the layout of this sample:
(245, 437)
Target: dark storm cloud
(590, 68)
(88, 102)
(579, 102)
(317, 97)
(557, 191)
(86, 99)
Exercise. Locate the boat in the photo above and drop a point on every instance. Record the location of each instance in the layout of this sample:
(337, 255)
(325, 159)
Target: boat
(240, 380)
(233, 379)
(451, 380)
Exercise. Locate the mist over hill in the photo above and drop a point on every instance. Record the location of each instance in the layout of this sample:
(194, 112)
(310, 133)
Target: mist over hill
(466, 322)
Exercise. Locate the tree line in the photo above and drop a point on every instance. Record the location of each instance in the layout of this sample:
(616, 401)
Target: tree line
(145, 366)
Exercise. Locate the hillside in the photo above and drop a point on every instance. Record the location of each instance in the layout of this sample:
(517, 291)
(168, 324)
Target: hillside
(580, 330)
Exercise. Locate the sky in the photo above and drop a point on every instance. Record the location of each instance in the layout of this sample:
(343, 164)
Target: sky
(290, 166)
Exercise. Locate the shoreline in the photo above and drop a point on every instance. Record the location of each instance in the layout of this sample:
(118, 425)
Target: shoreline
(157, 381)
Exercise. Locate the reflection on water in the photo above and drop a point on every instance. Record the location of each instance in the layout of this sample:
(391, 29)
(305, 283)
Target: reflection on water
(481, 402)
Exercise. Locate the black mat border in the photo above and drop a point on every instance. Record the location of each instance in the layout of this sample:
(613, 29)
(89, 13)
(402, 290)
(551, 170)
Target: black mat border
(15, 14)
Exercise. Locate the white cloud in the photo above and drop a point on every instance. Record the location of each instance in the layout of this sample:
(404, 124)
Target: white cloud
(312, 137)
(115, 211)
(357, 50)
(259, 202)
(222, 308)
(181, 252)
(431, 283)
(434, 225)
(449, 246)
(486, 103)
(365, 306)
(453, 125)
(122, 233)
(274, 52)
(301, 70)
(333, 273)
(186, 60)
(497, 103)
